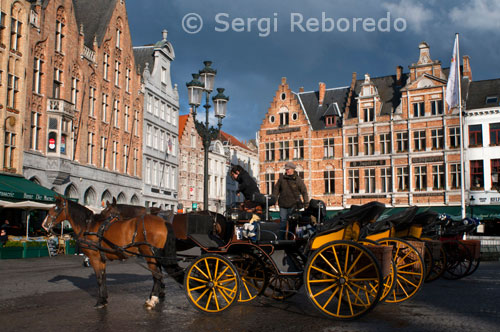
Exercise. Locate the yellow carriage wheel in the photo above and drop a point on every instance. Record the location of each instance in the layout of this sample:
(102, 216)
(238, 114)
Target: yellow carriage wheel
(410, 270)
(343, 279)
(212, 283)
(389, 280)
(252, 272)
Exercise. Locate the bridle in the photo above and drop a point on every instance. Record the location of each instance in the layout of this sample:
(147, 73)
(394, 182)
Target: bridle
(49, 223)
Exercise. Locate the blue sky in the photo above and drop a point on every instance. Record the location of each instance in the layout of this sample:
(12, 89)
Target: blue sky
(253, 44)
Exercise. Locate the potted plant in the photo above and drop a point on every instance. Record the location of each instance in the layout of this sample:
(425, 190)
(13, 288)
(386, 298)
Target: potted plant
(12, 249)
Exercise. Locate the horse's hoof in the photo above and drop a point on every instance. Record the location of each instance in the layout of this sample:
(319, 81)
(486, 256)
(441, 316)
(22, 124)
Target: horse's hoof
(152, 302)
(100, 305)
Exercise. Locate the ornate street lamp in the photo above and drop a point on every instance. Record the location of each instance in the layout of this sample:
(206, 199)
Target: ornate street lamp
(204, 82)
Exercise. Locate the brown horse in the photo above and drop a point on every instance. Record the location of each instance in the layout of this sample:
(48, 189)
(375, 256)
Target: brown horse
(221, 230)
(103, 238)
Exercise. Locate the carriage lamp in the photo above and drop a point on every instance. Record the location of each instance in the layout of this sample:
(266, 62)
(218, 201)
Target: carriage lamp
(204, 82)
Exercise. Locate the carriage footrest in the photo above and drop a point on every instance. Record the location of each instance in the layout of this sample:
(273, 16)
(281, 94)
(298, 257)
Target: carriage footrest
(204, 240)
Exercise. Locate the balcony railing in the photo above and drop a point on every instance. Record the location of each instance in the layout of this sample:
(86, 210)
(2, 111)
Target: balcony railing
(60, 106)
(88, 54)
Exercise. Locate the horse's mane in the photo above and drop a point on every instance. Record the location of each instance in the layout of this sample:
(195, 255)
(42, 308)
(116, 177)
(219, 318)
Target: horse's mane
(78, 213)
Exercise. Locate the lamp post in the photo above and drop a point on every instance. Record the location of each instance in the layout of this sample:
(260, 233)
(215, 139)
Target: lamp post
(204, 82)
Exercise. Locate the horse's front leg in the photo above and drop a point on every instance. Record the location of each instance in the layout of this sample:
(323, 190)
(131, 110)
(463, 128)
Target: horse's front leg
(158, 287)
(100, 273)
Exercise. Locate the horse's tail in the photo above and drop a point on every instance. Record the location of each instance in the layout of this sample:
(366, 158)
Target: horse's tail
(169, 258)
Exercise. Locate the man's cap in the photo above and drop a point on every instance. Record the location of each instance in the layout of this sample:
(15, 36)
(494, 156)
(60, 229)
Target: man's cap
(290, 165)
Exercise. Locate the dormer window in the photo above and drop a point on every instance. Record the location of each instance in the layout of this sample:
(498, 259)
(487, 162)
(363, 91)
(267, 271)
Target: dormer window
(284, 116)
(368, 114)
(492, 100)
(329, 121)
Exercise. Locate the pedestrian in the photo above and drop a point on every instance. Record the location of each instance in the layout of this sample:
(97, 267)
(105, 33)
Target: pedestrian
(3, 237)
(291, 193)
(246, 184)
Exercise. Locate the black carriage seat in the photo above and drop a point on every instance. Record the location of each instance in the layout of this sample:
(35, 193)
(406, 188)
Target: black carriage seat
(403, 219)
(426, 218)
(269, 233)
(198, 228)
(384, 224)
(366, 213)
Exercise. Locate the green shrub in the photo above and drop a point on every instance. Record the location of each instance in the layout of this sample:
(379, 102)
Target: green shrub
(14, 244)
(37, 244)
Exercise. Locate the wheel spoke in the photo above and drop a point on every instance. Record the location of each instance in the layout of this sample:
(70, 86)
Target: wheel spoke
(215, 299)
(323, 271)
(199, 280)
(201, 296)
(357, 297)
(204, 274)
(209, 277)
(221, 274)
(328, 262)
(362, 269)
(355, 262)
(324, 290)
(330, 298)
(336, 258)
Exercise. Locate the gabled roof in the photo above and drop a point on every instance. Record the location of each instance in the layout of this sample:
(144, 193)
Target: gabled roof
(480, 90)
(388, 89)
(316, 113)
(225, 137)
(143, 55)
(94, 15)
(182, 124)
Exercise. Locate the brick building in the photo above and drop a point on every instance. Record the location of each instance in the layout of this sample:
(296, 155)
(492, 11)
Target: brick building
(83, 118)
(190, 164)
(14, 58)
(390, 139)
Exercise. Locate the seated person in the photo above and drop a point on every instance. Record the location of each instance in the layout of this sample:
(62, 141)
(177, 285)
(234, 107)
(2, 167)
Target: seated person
(246, 184)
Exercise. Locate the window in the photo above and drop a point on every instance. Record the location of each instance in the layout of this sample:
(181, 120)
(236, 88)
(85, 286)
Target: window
(92, 99)
(386, 175)
(35, 131)
(104, 150)
(163, 78)
(454, 137)
(475, 135)
(125, 159)
(74, 91)
(136, 161)
(437, 176)
(284, 152)
(117, 73)
(104, 107)
(495, 133)
(155, 138)
(329, 120)
(127, 80)
(402, 142)
(476, 174)
(90, 149)
(59, 35)
(269, 151)
(369, 144)
(370, 180)
(9, 149)
(136, 123)
(154, 179)
(420, 177)
(269, 178)
(162, 141)
(284, 119)
(495, 172)
(106, 66)
(353, 181)
(12, 90)
(156, 107)
(329, 182)
(37, 75)
(403, 178)
(148, 171)
(368, 114)
(329, 148)
(2, 25)
(193, 141)
(455, 176)
(385, 143)
(419, 140)
(116, 113)
(437, 137)
(436, 107)
(126, 116)
(118, 38)
(298, 149)
(418, 109)
(492, 100)
(15, 34)
(149, 136)
(56, 93)
(352, 145)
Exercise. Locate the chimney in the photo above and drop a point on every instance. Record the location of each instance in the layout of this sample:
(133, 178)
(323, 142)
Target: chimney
(399, 75)
(283, 80)
(322, 89)
(466, 71)
(301, 89)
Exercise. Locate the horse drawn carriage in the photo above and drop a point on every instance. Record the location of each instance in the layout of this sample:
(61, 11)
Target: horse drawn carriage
(345, 264)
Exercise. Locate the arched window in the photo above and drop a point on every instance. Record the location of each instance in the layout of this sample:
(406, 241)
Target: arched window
(71, 192)
(90, 197)
(134, 200)
(106, 196)
(121, 199)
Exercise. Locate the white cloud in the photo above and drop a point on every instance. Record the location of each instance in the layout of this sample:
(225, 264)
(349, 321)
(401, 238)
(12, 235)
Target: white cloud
(415, 13)
(478, 14)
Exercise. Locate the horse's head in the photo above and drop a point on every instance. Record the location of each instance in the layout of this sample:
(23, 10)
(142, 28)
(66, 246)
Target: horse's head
(56, 215)
(111, 210)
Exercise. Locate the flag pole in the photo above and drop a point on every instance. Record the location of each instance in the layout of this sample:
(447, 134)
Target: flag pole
(462, 176)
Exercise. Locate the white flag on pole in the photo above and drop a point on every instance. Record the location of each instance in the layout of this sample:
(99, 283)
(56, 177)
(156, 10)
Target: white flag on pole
(452, 85)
